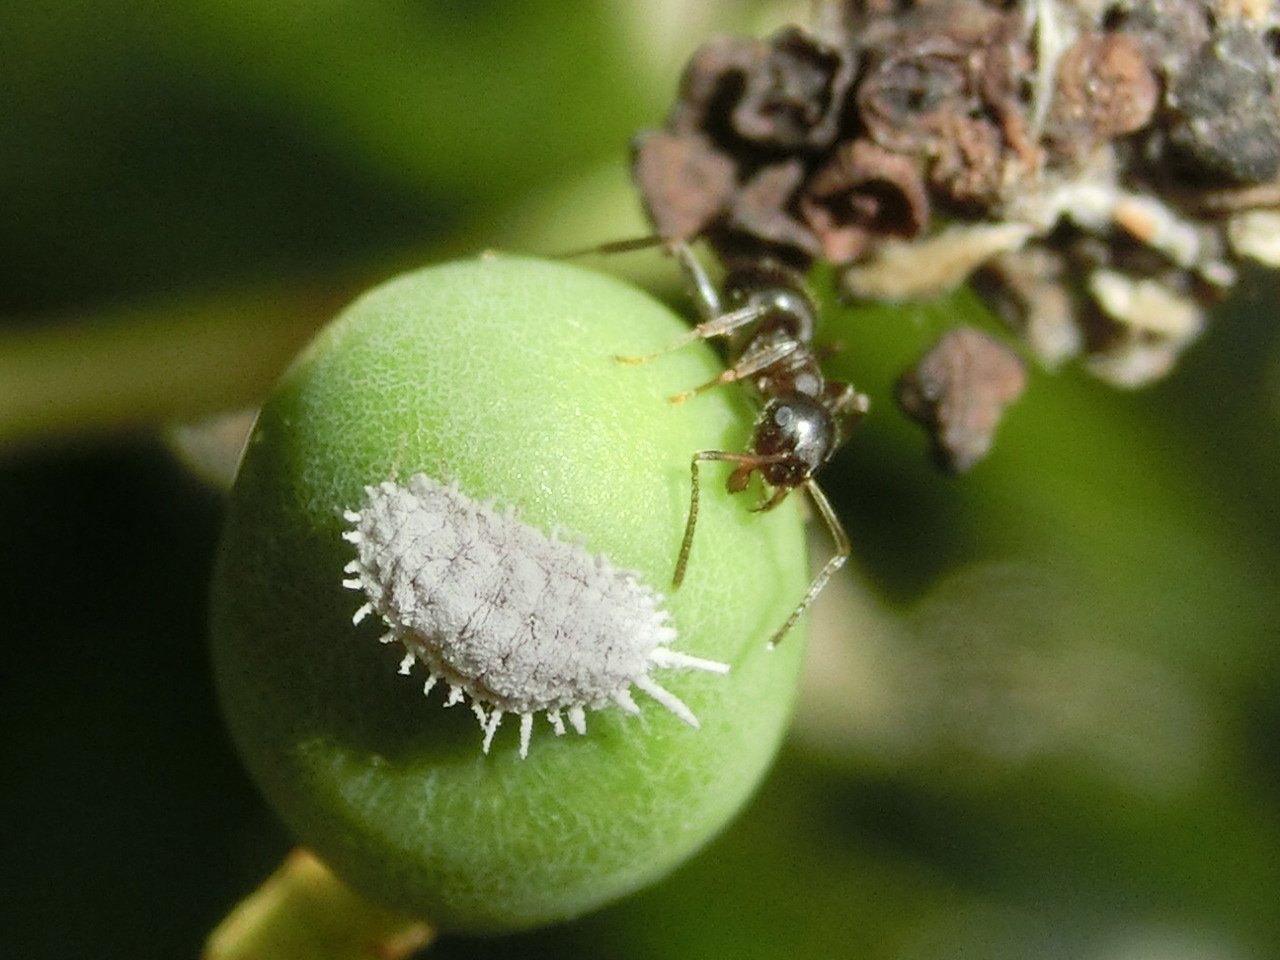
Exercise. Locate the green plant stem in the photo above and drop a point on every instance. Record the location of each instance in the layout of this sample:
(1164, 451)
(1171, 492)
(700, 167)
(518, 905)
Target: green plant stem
(304, 912)
(182, 358)
(162, 361)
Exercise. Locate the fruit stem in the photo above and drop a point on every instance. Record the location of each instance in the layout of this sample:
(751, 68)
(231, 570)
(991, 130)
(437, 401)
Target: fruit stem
(304, 912)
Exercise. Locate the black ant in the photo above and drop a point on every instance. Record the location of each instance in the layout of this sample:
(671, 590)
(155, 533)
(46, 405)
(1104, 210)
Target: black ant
(768, 317)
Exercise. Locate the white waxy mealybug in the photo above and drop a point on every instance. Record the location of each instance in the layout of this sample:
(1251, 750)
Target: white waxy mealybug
(510, 618)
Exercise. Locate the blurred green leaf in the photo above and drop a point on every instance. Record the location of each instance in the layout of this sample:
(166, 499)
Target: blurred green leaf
(1049, 709)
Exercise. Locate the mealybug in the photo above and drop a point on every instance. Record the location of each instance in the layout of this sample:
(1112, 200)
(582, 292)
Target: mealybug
(509, 618)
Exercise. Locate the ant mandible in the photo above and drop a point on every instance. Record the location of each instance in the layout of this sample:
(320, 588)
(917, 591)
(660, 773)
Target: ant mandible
(768, 317)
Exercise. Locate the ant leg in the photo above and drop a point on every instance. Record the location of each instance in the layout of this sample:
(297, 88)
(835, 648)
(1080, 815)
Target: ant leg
(846, 402)
(843, 550)
(748, 460)
(707, 297)
(779, 494)
(719, 326)
(748, 365)
(616, 246)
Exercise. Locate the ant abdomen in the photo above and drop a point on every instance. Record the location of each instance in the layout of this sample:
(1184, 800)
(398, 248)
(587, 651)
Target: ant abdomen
(777, 293)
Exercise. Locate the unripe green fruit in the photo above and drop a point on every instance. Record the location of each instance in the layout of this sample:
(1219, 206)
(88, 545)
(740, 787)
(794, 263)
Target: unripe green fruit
(498, 374)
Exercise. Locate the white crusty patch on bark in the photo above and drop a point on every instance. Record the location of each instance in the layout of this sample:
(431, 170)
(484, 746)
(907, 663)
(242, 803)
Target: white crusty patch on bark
(508, 618)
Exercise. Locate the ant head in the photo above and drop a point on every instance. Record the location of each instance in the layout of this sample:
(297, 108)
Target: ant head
(797, 434)
(777, 292)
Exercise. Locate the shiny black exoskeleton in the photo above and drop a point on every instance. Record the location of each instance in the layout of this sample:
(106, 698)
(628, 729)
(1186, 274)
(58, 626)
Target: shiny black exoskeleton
(768, 318)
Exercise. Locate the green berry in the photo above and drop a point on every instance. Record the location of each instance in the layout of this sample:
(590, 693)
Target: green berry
(496, 379)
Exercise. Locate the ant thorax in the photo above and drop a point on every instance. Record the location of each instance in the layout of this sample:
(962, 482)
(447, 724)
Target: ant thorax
(778, 344)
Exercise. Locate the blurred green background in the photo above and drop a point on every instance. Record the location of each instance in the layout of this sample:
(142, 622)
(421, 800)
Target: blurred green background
(1043, 714)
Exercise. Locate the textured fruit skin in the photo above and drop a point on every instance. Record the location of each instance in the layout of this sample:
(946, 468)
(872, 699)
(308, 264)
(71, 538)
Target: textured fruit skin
(499, 373)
